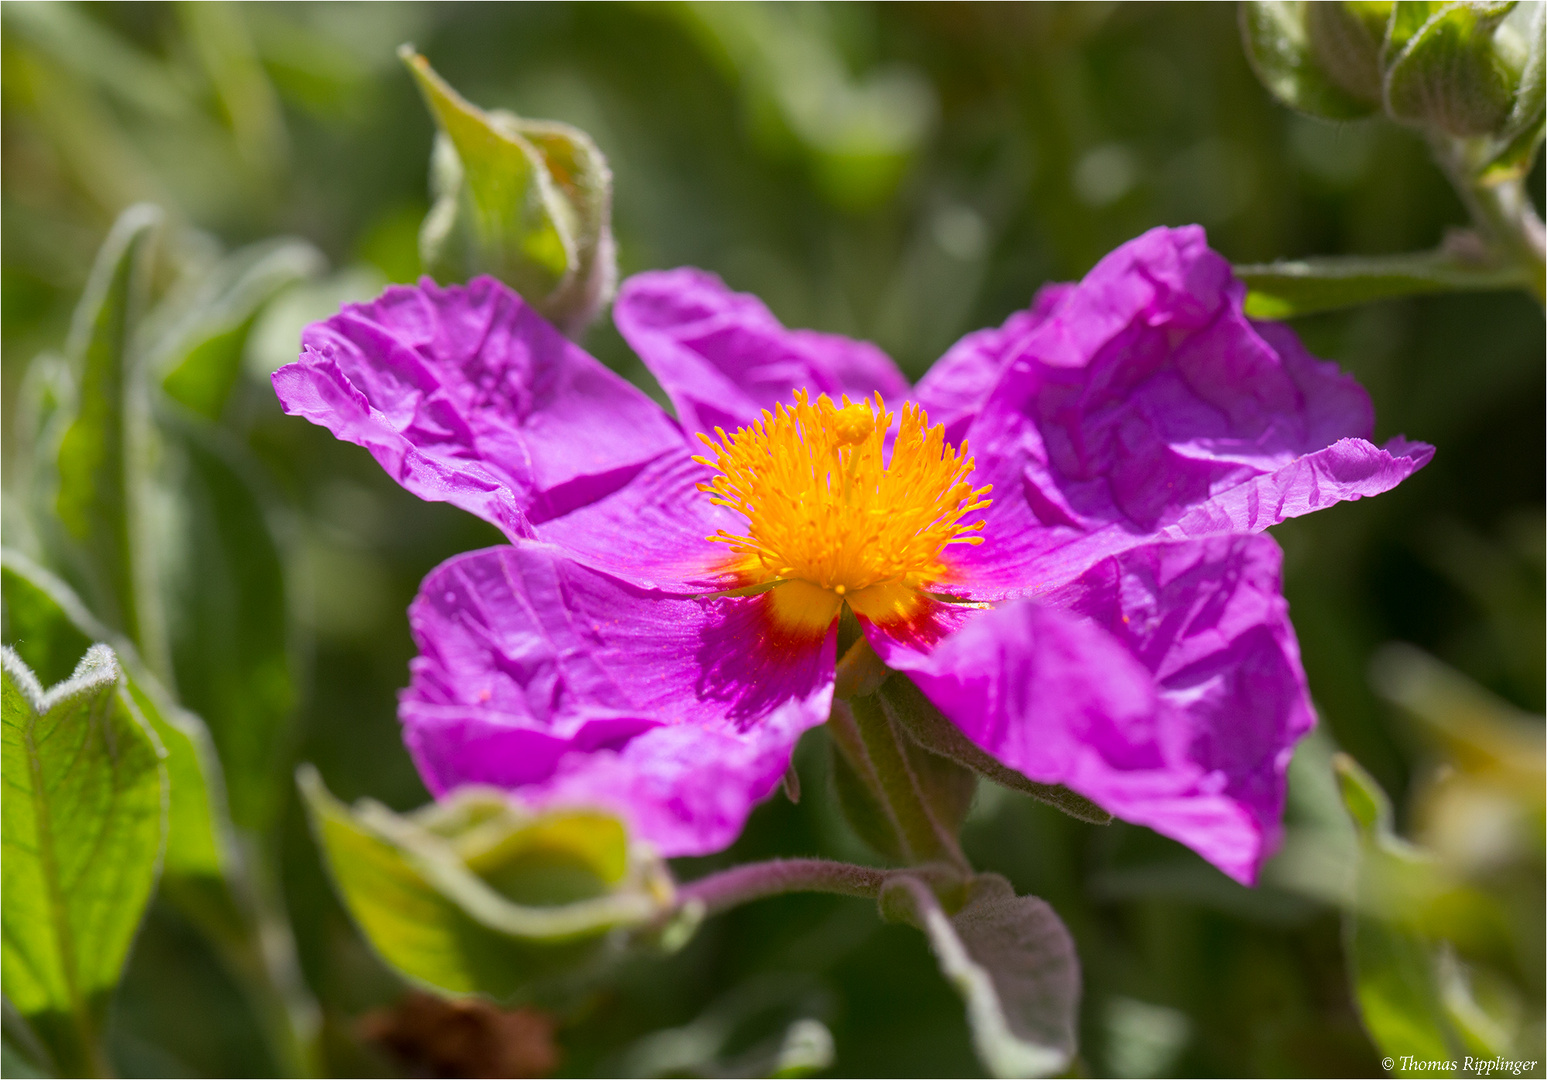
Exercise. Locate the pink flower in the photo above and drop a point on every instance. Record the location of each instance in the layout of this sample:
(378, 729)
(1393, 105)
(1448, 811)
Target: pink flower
(1069, 563)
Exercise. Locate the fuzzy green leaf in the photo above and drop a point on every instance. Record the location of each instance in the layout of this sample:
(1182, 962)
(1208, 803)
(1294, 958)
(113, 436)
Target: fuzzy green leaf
(227, 619)
(81, 830)
(47, 624)
(99, 453)
(1393, 966)
(473, 896)
(1013, 963)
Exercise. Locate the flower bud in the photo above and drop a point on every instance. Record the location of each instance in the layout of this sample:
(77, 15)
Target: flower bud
(1345, 41)
(527, 201)
(1470, 71)
(1446, 70)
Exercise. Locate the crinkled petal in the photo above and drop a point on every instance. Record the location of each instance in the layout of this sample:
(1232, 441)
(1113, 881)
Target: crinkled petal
(539, 674)
(466, 395)
(722, 357)
(1145, 406)
(1165, 685)
(954, 389)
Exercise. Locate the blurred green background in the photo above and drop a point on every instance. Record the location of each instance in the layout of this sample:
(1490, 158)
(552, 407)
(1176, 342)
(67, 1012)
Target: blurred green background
(903, 173)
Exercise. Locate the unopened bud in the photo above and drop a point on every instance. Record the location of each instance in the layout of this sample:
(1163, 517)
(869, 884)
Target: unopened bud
(1345, 42)
(527, 201)
(1445, 70)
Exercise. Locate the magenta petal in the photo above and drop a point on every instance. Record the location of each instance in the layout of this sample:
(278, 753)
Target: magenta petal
(1165, 685)
(654, 530)
(954, 389)
(1145, 406)
(539, 674)
(686, 789)
(466, 395)
(722, 357)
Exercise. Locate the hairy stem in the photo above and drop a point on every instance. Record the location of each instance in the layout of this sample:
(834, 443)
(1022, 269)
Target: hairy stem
(753, 881)
(924, 835)
(1502, 212)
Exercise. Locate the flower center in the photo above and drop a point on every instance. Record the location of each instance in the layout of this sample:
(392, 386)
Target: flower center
(829, 520)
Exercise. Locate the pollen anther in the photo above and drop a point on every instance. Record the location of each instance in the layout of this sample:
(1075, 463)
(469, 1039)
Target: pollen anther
(826, 506)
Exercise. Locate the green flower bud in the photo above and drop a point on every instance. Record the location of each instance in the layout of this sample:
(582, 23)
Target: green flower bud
(1444, 69)
(1345, 40)
(527, 201)
(1470, 71)
(1517, 143)
(1317, 61)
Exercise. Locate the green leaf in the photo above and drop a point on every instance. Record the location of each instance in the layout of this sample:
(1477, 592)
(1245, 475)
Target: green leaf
(1522, 133)
(474, 896)
(1407, 18)
(227, 616)
(1279, 49)
(529, 202)
(46, 624)
(906, 704)
(94, 54)
(1303, 286)
(81, 828)
(1394, 983)
(1366, 803)
(100, 454)
(200, 356)
(1392, 963)
(1446, 73)
(203, 874)
(1012, 961)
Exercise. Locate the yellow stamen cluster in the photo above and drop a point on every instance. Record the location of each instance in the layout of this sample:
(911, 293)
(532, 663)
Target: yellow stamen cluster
(829, 520)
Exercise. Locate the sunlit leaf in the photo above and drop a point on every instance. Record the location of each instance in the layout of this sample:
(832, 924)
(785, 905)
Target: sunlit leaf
(46, 624)
(99, 460)
(1013, 963)
(81, 830)
(473, 895)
